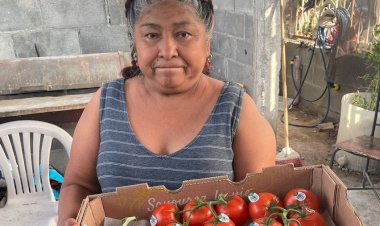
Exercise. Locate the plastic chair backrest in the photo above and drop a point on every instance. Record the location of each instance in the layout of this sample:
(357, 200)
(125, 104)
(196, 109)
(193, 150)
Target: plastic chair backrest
(24, 156)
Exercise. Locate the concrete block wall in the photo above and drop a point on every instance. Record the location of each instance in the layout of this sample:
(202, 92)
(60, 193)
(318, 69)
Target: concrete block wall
(64, 27)
(349, 70)
(245, 43)
(246, 49)
(232, 46)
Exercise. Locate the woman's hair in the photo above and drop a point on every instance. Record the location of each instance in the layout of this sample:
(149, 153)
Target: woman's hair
(133, 8)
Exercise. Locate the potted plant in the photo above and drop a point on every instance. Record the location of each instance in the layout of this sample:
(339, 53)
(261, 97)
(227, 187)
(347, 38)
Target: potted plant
(373, 58)
(357, 109)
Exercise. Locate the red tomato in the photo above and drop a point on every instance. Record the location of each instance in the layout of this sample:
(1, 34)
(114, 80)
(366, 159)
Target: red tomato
(222, 220)
(236, 209)
(309, 218)
(301, 197)
(259, 203)
(197, 216)
(174, 224)
(164, 214)
(266, 222)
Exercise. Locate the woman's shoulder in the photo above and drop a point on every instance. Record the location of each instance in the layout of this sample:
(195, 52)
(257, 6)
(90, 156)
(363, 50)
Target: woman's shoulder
(117, 82)
(112, 88)
(232, 90)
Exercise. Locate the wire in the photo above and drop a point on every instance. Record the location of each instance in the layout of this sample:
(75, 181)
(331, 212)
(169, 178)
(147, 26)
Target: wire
(298, 93)
(327, 38)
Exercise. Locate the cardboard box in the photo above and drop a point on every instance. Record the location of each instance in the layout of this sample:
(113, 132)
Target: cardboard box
(139, 200)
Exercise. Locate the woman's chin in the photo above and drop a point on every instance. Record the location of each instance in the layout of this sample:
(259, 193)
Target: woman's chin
(170, 78)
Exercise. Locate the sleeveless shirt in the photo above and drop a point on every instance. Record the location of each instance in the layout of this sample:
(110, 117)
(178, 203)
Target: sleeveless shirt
(123, 160)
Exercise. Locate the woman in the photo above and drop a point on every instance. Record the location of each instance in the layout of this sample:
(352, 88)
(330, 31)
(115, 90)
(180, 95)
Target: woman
(168, 121)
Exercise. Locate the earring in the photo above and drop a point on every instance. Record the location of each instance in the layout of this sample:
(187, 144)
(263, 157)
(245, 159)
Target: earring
(134, 59)
(208, 61)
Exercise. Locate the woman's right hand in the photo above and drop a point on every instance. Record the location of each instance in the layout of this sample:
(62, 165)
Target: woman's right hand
(71, 222)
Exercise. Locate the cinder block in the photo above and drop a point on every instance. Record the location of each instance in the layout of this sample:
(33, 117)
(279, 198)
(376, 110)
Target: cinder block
(230, 23)
(224, 5)
(214, 43)
(116, 11)
(249, 28)
(16, 15)
(104, 39)
(74, 13)
(241, 73)
(225, 45)
(48, 43)
(6, 47)
(244, 52)
(218, 66)
(244, 6)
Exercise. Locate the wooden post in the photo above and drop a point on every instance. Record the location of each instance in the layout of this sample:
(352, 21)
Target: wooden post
(352, 12)
(283, 75)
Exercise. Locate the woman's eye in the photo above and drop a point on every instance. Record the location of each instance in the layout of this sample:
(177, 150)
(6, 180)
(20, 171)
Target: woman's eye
(183, 34)
(151, 36)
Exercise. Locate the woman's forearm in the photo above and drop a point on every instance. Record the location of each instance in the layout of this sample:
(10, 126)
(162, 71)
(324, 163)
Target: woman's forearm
(70, 200)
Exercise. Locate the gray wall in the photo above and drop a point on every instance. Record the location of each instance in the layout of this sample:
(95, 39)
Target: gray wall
(246, 49)
(349, 70)
(61, 27)
(245, 44)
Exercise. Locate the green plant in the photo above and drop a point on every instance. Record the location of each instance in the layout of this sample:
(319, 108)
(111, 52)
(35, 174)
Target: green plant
(373, 58)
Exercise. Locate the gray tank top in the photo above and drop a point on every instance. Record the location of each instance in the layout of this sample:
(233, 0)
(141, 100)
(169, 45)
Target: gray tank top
(123, 160)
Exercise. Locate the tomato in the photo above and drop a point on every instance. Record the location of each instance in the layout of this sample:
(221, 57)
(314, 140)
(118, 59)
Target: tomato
(265, 222)
(222, 220)
(164, 214)
(259, 203)
(308, 218)
(236, 209)
(301, 197)
(174, 224)
(198, 216)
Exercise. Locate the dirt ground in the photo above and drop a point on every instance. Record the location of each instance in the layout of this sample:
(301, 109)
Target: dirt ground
(315, 147)
(312, 145)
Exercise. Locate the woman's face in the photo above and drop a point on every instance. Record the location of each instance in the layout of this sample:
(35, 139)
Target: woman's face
(171, 44)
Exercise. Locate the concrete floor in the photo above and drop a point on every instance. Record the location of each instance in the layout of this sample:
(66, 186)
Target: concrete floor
(366, 205)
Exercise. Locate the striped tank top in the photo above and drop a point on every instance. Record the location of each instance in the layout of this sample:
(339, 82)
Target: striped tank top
(123, 160)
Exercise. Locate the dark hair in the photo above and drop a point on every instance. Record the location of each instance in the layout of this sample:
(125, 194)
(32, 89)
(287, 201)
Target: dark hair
(133, 8)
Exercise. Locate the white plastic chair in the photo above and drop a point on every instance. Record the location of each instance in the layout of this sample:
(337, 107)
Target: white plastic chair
(24, 160)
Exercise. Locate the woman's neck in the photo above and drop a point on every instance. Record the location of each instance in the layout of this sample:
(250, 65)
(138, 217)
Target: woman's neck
(151, 90)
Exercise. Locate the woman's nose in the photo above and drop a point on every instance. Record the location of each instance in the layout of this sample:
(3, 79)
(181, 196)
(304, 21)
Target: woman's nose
(168, 48)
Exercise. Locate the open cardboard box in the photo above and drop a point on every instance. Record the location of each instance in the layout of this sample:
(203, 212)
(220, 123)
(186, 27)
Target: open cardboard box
(139, 200)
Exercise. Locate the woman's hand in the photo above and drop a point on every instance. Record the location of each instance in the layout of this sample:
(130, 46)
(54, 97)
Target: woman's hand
(71, 222)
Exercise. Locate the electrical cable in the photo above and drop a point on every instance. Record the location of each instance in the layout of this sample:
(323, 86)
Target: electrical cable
(340, 29)
(298, 93)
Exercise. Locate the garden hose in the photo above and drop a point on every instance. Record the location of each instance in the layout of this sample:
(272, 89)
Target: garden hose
(298, 93)
(334, 22)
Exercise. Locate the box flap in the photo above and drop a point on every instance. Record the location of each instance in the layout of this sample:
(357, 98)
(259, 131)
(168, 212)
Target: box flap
(328, 189)
(139, 200)
(83, 208)
(91, 212)
(342, 214)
